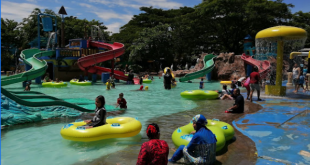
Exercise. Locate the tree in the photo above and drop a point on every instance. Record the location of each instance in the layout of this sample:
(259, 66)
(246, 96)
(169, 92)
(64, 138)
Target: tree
(228, 22)
(302, 20)
(10, 41)
(152, 44)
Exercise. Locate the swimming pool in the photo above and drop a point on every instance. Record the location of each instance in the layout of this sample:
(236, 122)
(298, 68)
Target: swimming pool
(41, 143)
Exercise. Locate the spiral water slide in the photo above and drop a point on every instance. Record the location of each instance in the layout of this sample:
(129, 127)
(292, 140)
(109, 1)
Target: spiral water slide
(115, 50)
(208, 67)
(30, 57)
(263, 66)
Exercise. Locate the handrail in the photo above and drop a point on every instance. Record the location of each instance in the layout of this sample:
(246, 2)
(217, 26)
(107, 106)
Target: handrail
(293, 54)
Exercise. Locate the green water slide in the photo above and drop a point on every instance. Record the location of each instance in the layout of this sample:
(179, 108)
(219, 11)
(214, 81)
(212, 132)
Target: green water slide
(208, 66)
(34, 99)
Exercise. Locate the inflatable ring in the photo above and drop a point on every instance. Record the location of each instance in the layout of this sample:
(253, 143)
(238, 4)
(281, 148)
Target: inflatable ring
(147, 81)
(54, 84)
(222, 131)
(165, 70)
(119, 127)
(200, 94)
(83, 83)
(225, 82)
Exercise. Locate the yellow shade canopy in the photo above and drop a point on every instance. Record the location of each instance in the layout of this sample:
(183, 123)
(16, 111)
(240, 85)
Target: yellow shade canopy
(282, 33)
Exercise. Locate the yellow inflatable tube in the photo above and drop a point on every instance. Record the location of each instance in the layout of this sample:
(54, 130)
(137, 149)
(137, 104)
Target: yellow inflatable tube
(119, 127)
(225, 82)
(165, 70)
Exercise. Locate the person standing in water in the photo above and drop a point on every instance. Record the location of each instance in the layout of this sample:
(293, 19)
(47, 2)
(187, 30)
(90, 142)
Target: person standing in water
(100, 114)
(201, 84)
(130, 78)
(167, 80)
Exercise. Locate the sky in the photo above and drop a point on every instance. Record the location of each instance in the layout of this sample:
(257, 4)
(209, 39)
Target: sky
(113, 13)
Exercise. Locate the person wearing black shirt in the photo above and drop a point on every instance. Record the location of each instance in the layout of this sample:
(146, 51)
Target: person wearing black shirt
(130, 78)
(167, 80)
(81, 78)
(141, 80)
(100, 116)
(239, 103)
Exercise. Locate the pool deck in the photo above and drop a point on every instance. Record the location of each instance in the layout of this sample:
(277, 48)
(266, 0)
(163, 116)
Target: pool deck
(280, 130)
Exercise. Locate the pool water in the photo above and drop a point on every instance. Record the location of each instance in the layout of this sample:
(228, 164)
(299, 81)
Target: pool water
(41, 143)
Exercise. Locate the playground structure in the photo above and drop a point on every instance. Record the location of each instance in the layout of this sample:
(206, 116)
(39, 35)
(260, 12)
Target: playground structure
(293, 38)
(290, 74)
(209, 64)
(87, 63)
(263, 66)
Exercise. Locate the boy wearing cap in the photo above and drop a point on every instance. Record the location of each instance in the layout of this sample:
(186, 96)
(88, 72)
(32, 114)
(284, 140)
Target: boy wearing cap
(202, 147)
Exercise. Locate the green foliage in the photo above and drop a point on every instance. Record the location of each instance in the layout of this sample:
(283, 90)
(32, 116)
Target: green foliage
(228, 22)
(302, 20)
(28, 28)
(10, 39)
(152, 43)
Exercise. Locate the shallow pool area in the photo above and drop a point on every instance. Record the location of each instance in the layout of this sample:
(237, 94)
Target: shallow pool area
(41, 142)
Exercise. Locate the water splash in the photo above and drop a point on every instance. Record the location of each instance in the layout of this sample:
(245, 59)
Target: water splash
(266, 48)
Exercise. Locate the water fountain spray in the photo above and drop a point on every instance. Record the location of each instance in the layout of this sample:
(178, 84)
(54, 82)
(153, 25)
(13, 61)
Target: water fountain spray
(286, 38)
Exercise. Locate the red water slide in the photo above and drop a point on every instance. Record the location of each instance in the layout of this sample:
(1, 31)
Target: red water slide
(263, 66)
(115, 50)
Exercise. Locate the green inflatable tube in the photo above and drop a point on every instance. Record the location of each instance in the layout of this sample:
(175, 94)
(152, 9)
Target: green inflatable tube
(200, 94)
(147, 81)
(54, 84)
(83, 83)
(222, 131)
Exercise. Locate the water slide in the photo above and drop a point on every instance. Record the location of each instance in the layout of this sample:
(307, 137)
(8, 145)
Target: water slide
(263, 66)
(208, 67)
(30, 57)
(115, 50)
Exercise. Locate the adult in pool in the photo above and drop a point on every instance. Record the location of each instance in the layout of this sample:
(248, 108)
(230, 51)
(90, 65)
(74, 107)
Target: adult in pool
(130, 78)
(239, 103)
(81, 78)
(141, 80)
(167, 80)
(154, 151)
(202, 148)
(100, 114)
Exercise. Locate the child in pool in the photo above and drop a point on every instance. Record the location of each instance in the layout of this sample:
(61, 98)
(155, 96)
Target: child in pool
(100, 116)
(27, 88)
(108, 84)
(121, 101)
(201, 84)
(229, 95)
(57, 81)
